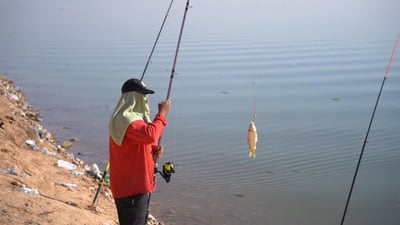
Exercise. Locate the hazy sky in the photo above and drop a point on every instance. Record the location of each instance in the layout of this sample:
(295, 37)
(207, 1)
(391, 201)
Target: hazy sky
(125, 19)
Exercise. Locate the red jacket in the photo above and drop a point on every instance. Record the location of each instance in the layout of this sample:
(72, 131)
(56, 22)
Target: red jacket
(132, 163)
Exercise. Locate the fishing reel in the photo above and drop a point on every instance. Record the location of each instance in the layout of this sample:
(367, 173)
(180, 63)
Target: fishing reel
(167, 171)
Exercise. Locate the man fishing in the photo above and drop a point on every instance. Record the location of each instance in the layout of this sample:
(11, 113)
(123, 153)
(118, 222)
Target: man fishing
(133, 150)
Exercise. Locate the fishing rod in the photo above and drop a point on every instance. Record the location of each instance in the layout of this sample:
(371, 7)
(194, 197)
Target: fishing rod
(168, 167)
(155, 43)
(176, 57)
(177, 50)
(94, 202)
(369, 128)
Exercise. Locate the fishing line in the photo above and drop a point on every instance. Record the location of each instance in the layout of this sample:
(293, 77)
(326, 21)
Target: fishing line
(155, 43)
(254, 109)
(369, 128)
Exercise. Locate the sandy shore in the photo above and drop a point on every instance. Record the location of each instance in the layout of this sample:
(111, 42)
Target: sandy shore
(35, 187)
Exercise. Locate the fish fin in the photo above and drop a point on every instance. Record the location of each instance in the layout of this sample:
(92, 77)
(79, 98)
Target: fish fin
(252, 153)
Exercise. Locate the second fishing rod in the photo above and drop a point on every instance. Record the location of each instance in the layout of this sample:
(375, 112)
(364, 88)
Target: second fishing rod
(368, 130)
(156, 41)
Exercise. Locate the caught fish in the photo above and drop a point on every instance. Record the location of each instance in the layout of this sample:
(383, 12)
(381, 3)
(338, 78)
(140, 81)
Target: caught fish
(252, 139)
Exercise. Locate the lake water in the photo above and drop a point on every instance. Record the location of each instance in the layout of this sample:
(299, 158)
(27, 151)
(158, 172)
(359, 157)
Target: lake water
(314, 100)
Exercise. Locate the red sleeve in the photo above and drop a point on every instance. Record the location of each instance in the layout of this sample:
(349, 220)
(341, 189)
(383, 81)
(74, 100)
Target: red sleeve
(146, 133)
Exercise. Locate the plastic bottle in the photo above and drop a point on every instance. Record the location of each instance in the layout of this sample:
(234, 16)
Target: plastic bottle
(70, 185)
(28, 190)
(65, 164)
(107, 179)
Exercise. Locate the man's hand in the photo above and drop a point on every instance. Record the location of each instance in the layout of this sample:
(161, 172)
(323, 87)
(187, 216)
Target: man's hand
(163, 107)
(157, 151)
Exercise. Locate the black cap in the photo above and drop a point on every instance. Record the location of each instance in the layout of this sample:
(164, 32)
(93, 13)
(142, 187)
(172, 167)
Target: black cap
(135, 85)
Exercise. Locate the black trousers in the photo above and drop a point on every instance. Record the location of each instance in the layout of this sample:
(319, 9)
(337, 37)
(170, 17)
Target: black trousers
(132, 210)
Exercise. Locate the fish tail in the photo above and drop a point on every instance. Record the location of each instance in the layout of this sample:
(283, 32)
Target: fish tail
(252, 153)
